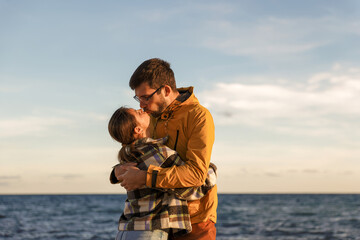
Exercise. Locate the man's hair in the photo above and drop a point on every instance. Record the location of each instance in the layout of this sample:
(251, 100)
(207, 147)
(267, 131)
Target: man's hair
(121, 126)
(155, 72)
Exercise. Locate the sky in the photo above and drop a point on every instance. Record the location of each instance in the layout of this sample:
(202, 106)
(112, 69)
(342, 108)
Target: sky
(281, 79)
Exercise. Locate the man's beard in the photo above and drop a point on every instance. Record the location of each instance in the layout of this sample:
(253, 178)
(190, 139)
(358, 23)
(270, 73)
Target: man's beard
(158, 113)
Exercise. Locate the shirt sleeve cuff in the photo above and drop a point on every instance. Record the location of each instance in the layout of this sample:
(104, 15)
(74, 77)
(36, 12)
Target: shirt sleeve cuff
(113, 178)
(151, 176)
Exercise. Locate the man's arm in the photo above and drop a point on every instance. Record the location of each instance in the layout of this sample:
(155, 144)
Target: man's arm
(199, 146)
(187, 193)
(193, 173)
(194, 193)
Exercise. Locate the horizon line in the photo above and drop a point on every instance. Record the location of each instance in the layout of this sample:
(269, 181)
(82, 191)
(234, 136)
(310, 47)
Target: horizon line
(223, 193)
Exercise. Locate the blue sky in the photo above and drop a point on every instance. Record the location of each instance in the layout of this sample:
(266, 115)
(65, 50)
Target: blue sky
(281, 78)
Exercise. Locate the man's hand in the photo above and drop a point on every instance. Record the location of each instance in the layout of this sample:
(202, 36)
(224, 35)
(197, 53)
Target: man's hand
(121, 169)
(133, 178)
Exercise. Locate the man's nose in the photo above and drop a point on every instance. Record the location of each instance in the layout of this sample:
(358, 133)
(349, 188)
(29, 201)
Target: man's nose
(142, 104)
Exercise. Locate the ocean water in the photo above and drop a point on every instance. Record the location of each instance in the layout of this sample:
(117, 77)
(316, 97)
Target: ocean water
(240, 216)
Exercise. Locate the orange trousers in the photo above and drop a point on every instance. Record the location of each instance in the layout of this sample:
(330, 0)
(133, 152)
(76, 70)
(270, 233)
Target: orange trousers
(200, 231)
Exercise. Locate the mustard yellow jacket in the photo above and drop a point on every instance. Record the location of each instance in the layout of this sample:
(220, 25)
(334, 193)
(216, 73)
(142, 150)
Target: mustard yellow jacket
(191, 131)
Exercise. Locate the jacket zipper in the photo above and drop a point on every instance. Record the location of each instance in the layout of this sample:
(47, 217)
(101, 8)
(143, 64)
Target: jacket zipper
(176, 139)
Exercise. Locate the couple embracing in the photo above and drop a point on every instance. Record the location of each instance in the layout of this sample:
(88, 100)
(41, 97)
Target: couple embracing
(165, 160)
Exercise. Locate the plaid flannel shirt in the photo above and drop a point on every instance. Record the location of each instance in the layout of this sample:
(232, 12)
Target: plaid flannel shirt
(155, 208)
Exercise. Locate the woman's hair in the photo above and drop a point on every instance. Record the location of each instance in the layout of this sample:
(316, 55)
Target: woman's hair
(121, 126)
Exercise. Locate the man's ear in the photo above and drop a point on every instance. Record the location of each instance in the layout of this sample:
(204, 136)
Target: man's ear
(168, 90)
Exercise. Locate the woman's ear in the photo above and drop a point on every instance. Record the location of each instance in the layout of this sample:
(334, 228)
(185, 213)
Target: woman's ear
(138, 130)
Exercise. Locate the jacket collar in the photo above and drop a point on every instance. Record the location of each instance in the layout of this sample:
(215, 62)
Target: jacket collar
(185, 94)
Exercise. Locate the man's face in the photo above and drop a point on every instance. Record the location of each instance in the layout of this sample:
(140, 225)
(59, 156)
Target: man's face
(156, 104)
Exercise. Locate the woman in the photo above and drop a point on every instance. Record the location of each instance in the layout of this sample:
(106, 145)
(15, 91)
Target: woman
(151, 213)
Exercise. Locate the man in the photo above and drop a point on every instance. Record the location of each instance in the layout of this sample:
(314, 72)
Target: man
(190, 127)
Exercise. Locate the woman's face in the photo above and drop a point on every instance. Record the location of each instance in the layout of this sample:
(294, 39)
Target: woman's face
(142, 118)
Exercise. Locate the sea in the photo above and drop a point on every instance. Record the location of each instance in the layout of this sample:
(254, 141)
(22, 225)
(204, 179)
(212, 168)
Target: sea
(240, 216)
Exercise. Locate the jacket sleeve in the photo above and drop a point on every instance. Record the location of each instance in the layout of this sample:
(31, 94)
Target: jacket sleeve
(201, 134)
(194, 193)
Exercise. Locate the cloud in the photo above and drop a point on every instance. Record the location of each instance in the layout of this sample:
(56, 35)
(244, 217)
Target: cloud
(71, 176)
(81, 116)
(10, 84)
(326, 103)
(176, 12)
(40, 124)
(347, 172)
(7, 180)
(29, 125)
(9, 89)
(311, 171)
(272, 174)
(67, 176)
(274, 36)
(6, 177)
